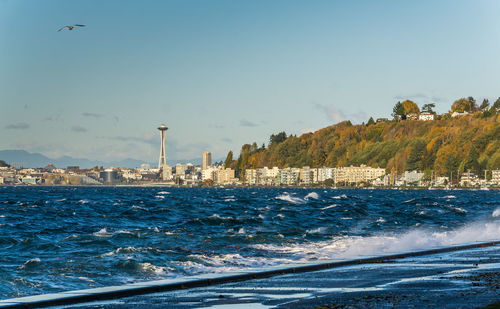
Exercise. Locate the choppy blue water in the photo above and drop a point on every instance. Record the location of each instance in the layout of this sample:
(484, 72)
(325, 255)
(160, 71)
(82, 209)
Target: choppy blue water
(65, 238)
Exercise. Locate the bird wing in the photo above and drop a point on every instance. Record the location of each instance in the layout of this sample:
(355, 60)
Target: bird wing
(63, 28)
(77, 25)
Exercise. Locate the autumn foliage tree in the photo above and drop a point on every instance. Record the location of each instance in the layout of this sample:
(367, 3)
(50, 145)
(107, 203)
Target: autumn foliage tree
(461, 105)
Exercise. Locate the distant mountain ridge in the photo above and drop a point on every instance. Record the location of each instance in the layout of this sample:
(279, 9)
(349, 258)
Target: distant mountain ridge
(23, 158)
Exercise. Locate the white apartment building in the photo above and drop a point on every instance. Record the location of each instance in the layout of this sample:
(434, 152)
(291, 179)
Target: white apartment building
(325, 173)
(251, 176)
(180, 169)
(307, 174)
(357, 174)
(495, 177)
(426, 117)
(166, 172)
(208, 173)
(224, 176)
(442, 180)
(288, 176)
(468, 179)
(411, 177)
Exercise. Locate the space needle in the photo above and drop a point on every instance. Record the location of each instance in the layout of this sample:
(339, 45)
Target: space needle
(163, 160)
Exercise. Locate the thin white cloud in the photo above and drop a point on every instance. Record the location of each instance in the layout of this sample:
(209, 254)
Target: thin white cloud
(78, 129)
(247, 123)
(18, 126)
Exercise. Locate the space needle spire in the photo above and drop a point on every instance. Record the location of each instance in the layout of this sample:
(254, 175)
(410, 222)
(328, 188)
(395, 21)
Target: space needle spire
(163, 160)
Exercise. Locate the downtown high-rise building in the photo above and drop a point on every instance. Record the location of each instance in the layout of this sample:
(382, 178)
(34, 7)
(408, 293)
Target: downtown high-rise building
(206, 160)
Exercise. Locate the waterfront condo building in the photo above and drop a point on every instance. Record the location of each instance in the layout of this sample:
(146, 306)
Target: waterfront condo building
(495, 177)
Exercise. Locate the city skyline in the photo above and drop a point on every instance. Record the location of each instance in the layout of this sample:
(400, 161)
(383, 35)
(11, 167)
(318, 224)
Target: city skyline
(222, 74)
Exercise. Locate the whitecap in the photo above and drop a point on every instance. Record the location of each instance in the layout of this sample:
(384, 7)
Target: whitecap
(216, 216)
(102, 233)
(356, 246)
(150, 268)
(312, 195)
(159, 196)
(328, 207)
(338, 197)
(163, 193)
(139, 207)
(319, 230)
(381, 220)
(83, 201)
(460, 210)
(30, 263)
(288, 198)
(496, 212)
(85, 279)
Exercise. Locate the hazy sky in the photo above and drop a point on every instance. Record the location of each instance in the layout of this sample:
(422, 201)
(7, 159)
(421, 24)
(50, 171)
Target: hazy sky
(223, 73)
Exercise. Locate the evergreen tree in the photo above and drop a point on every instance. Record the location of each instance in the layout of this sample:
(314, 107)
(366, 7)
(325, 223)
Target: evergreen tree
(428, 108)
(229, 159)
(398, 110)
(485, 104)
(370, 121)
(497, 104)
(278, 138)
(472, 161)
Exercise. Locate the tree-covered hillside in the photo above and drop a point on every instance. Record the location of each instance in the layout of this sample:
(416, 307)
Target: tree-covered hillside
(446, 145)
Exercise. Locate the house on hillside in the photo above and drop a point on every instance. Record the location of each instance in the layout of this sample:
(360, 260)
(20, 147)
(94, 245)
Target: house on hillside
(412, 116)
(426, 116)
(457, 114)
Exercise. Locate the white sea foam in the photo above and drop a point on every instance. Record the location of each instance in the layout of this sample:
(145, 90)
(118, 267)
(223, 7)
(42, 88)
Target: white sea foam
(449, 196)
(418, 239)
(150, 268)
(139, 207)
(328, 207)
(319, 230)
(83, 201)
(216, 216)
(338, 197)
(312, 195)
(460, 210)
(30, 263)
(163, 193)
(381, 220)
(496, 212)
(85, 279)
(102, 233)
(289, 198)
(160, 196)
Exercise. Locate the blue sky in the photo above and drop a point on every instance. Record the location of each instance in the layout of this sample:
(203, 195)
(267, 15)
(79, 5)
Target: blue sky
(223, 73)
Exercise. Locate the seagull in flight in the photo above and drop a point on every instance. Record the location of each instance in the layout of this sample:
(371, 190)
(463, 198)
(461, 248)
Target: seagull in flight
(71, 27)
